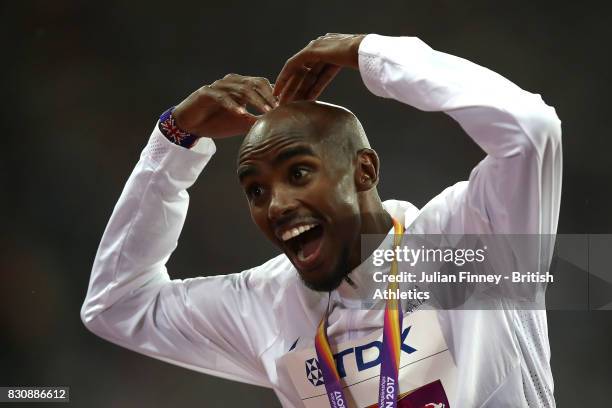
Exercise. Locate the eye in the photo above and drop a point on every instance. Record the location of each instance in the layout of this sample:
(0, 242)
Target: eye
(255, 191)
(299, 174)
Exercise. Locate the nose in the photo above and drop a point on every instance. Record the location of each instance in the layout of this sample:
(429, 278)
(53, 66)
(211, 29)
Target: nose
(282, 203)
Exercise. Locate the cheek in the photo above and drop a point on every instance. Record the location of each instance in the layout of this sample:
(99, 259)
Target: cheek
(341, 200)
(345, 194)
(259, 217)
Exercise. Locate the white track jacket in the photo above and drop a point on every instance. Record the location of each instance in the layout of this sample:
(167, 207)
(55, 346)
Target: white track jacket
(242, 326)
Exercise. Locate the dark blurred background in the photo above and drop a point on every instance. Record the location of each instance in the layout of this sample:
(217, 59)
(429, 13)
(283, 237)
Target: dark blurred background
(84, 83)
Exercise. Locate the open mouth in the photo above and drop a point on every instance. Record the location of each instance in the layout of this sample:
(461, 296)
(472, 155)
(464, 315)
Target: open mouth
(305, 244)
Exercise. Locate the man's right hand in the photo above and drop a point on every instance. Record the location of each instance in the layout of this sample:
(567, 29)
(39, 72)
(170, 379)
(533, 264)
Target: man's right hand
(219, 110)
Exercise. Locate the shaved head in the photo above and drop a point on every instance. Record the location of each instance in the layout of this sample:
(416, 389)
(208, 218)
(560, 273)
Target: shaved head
(333, 126)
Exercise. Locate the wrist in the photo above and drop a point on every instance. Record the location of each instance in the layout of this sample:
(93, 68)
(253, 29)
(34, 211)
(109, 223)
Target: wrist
(172, 131)
(355, 44)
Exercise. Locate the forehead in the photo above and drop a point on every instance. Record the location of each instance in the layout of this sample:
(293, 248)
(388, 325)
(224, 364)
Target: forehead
(272, 152)
(274, 144)
(272, 134)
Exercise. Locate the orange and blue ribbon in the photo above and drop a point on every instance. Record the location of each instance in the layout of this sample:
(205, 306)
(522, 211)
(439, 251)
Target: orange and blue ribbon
(390, 353)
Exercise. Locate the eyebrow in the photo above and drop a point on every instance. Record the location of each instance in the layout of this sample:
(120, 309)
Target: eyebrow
(300, 150)
(246, 171)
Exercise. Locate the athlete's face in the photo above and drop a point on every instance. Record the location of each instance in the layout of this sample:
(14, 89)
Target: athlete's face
(302, 197)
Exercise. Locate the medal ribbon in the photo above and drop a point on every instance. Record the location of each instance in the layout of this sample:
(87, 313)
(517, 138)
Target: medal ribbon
(390, 353)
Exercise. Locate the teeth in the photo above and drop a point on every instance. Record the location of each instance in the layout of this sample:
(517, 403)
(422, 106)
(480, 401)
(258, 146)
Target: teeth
(294, 232)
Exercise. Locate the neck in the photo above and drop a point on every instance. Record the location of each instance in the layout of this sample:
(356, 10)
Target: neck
(375, 220)
(378, 222)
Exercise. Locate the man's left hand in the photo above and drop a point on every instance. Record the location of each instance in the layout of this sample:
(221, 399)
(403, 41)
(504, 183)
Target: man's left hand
(307, 73)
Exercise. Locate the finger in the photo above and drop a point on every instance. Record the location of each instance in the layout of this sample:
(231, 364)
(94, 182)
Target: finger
(251, 96)
(235, 107)
(265, 90)
(293, 66)
(293, 85)
(325, 77)
(283, 78)
(244, 120)
(309, 80)
(244, 92)
(240, 123)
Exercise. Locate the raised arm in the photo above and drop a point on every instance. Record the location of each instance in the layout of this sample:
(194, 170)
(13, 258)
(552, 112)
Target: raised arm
(197, 323)
(516, 188)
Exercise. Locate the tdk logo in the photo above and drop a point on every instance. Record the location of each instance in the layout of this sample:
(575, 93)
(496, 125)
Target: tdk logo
(315, 376)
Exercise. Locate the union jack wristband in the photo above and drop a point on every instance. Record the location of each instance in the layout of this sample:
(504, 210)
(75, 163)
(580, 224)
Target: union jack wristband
(169, 128)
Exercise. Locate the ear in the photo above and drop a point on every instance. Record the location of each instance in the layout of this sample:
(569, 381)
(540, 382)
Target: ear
(366, 170)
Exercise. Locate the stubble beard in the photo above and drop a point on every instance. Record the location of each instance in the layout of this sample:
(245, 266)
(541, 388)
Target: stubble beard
(335, 278)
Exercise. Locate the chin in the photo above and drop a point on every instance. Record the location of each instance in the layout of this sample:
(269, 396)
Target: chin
(327, 279)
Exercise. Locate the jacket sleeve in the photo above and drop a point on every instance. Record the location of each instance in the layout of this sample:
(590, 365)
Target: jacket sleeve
(516, 188)
(205, 324)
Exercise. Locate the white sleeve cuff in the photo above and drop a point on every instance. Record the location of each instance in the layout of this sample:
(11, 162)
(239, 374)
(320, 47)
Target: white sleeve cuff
(182, 163)
(369, 66)
(376, 50)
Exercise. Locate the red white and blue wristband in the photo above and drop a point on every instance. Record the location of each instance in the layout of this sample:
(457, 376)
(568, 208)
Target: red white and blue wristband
(169, 128)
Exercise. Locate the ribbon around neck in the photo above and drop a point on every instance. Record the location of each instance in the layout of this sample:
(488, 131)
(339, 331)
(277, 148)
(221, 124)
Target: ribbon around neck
(390, 353)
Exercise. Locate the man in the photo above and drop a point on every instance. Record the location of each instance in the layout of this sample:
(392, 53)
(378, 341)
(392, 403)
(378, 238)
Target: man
(310, 178)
